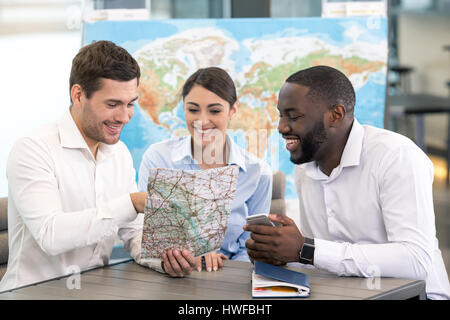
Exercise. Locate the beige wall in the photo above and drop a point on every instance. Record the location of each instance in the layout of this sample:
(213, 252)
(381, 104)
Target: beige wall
(421, 39)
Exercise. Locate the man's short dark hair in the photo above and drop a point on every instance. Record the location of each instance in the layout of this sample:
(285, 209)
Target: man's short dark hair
(102, 59)
(328, 85)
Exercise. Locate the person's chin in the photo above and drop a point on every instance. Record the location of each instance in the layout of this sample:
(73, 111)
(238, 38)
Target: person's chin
(111, 139)
(200, 142)
(298, 158)
(295, 160)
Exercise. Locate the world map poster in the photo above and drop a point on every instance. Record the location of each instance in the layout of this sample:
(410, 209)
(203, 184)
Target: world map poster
(259, 54)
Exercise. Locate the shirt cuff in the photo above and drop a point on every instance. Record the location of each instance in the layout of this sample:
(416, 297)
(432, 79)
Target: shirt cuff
(152, 263)
(134, 247)
(121, 210)
(328, 255)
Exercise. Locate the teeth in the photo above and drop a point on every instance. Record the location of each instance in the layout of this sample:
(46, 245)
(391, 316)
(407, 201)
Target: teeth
(203, 130)
(289, 141)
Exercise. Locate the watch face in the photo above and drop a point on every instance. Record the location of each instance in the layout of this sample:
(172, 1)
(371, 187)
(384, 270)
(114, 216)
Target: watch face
(307, 252)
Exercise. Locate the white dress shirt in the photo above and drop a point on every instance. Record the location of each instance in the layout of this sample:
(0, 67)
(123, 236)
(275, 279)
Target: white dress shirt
(65, 207)
(374, 214)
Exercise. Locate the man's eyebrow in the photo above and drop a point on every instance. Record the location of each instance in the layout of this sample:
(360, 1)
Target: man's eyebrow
(287, 110)
(120, 101)
(133, 100)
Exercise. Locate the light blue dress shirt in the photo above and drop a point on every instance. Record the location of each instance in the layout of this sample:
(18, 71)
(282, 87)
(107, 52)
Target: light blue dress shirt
(253, 190)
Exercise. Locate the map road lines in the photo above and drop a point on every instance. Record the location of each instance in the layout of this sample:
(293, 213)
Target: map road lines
(187, 209)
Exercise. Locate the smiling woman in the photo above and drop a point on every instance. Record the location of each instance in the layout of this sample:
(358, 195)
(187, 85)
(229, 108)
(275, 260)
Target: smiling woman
(209, 103)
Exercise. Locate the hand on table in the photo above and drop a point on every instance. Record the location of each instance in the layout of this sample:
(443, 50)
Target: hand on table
(178, 263)
(213, 261)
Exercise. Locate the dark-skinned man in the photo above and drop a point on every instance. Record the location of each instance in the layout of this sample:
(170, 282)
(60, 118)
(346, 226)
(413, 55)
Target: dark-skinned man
(365, 193)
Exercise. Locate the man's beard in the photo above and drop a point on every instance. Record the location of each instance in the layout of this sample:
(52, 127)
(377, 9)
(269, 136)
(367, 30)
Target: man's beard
(93, 129)
(310, 144)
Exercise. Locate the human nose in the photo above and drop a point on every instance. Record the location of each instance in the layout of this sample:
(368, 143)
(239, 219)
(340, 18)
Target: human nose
(283, 126)
(203, 118)
(123, 114)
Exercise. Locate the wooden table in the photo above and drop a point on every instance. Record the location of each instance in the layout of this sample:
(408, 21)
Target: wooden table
(128, 280)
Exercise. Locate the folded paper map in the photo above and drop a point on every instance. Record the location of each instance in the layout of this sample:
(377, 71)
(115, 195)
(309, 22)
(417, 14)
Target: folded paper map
(187, 209)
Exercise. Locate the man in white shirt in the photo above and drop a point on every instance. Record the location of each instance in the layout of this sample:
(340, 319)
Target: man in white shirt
(366, 205)
(71, 184)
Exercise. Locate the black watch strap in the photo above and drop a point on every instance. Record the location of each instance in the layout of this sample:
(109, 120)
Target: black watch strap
(307, 251)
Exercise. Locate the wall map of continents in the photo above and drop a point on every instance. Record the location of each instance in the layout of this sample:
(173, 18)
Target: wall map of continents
(259, 54)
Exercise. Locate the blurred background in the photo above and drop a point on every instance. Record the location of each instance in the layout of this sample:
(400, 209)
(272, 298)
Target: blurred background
(39, 38)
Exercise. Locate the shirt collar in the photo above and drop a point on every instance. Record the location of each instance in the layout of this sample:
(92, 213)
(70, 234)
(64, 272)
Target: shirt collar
(184, 152)
(352, 151)
(235, 155)
(350, 156)
(69, 133)
(72, 138)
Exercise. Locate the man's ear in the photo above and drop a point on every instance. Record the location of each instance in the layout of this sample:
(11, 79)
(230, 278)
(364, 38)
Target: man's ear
(75, 93)
(336, 115)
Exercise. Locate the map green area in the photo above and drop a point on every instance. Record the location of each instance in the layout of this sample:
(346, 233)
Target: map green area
(259, 54)
(187, 210)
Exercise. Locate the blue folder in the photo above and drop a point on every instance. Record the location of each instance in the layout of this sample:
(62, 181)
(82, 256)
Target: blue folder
(282, 274)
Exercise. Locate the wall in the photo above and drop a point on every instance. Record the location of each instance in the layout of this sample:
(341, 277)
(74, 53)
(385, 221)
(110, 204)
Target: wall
(34, 85)
(421, 38)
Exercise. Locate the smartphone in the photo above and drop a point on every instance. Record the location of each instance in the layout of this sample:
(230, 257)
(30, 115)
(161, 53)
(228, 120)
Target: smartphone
(261, 219)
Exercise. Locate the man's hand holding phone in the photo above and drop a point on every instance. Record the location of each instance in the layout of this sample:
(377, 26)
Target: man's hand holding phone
(276, 241)
(260, 219)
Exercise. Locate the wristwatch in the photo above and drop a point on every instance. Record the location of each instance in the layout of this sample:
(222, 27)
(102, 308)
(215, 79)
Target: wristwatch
(307, 251)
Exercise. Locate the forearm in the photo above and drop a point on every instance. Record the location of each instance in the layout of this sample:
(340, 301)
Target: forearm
(60, 203)
(57, 232)
(399, 259)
